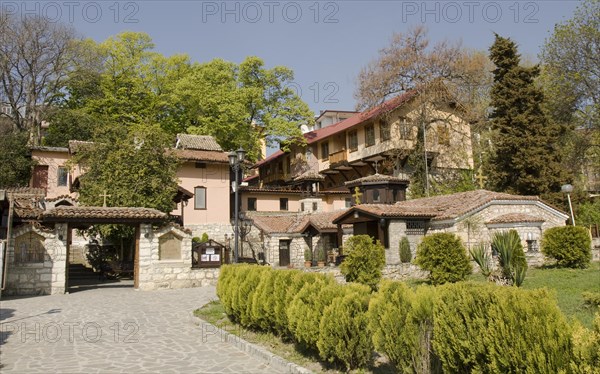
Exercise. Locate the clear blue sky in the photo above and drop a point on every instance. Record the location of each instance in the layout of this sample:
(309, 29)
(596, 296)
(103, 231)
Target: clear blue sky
(324, 42)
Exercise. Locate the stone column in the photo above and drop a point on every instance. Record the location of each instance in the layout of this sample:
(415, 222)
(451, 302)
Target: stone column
(56, 247)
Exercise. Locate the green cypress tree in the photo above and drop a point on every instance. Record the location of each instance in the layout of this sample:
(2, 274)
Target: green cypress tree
(526, 152)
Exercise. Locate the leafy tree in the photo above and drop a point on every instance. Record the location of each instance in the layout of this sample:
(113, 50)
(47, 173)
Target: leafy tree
(132, 166)
(240, 104)
(526, 157)
(35, 58)
(445, 76)
(123, 81)
(571, 80)
(15, 160)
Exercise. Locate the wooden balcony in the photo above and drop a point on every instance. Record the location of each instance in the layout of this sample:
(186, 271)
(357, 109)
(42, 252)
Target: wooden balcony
(275, 177)
(339, 156)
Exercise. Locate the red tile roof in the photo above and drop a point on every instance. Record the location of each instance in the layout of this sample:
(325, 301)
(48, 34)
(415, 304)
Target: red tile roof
(442, 207)
(515, 218)
(195, 155)
(320, 134)
(103, 213)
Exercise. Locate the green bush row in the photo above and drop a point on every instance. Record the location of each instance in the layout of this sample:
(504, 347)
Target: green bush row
(454, 328)
(313, 309)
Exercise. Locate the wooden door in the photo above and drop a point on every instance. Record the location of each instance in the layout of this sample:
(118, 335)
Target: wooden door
(284, 252)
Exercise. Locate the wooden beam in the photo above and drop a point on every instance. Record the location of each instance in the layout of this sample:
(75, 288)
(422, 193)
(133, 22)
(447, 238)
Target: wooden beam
(344, 175)
(136, 258)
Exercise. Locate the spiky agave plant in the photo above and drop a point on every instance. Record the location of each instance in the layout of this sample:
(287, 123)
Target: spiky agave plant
(510, 255)
(482, 258)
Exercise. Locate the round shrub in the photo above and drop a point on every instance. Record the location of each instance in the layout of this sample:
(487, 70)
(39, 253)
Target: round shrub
(570, 246)
(306, 309)
(485, 328)
(444, 255)
(405, 254)
(364, 260)
(343, 335)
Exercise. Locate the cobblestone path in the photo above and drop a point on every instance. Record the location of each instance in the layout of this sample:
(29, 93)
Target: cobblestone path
(116, 330)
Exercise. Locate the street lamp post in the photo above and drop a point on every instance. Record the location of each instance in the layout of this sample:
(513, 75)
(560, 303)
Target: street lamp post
(236, 160)
(567, 188)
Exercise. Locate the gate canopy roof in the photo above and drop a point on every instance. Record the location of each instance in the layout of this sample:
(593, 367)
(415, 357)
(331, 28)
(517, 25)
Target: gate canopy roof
(91, 215)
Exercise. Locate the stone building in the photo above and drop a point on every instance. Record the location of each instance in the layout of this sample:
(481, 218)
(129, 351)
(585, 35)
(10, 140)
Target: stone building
(39, 241)
(474, 216)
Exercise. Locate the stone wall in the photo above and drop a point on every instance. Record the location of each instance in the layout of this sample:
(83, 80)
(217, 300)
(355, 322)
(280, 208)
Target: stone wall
(174, 273)
(42, 277)
(215, 231)
(395, 272)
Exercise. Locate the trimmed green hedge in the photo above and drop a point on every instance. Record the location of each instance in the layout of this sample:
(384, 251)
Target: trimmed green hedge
(570, 245)
(485, 328)
(344, 335)
(455, 328)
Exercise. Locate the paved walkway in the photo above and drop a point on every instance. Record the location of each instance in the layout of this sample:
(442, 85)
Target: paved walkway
(114, 331)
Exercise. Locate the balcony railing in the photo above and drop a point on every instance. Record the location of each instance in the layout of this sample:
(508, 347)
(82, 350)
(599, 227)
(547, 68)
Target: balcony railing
(275, 177)
(339, 156)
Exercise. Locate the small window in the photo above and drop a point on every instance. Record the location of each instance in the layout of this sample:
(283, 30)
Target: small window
(200, 165)
(302, 207)
(443, 135)
(200, 198)
(348, 202)
(315, 207)
(62, 176)
(405, 128)
(376, 198)
(353, 140)
(384, 131)
(283, 203)
(252, 204)
(369, 135)
(325, 151)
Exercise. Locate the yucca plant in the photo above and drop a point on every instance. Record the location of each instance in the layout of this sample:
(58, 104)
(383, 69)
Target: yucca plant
(482, 258)
(510, 255)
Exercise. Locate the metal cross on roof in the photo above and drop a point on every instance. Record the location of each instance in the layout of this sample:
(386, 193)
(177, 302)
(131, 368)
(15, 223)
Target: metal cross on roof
(481, 178)
(357, 194)
(104, 196)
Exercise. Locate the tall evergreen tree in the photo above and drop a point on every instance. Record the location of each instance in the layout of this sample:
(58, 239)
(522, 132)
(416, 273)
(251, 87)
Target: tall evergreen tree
(526, 152)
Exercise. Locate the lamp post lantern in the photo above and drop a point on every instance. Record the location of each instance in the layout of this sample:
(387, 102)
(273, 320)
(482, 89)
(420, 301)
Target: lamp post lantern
(567, 188)
(236, 159)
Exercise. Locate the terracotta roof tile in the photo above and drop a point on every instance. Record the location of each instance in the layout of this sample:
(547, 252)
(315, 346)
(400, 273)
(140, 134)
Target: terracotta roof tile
(276, 223)
(515, 218)
(295, 223)
(442, 207)
(50, 149)
(378, 178)
(77, 145)
(198, 142)
(104, 213)
(196, 155)
(309, 176)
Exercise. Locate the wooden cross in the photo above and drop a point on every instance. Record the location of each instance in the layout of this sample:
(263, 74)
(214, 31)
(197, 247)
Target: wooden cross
(104, 195)
(481, 178)
(357, 194)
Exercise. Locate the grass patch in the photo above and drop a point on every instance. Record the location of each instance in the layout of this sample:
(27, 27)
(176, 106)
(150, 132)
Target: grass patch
(569, 285)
